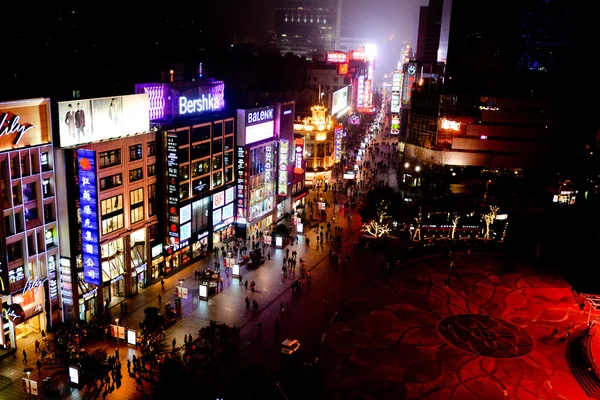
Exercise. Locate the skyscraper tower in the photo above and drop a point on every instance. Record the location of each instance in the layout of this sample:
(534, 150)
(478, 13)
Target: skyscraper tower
(306, 27)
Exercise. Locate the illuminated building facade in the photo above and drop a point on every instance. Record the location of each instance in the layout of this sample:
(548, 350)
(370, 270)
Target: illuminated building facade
(197, 137)
(29, 245)
(319, 145)
(112, 208)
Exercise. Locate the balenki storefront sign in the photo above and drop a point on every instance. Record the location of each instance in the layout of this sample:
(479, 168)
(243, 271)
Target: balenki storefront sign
(24, 123)
(88, 200)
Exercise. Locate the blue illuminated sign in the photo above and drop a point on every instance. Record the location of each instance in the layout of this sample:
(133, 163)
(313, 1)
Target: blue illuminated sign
(88, 199)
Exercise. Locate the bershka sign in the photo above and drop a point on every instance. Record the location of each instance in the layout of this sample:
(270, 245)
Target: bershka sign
(258, 115)
(203, 104)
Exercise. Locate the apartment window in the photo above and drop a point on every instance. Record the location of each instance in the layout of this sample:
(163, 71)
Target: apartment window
(228, 159)
(135, 152)
(136, 201)
(218, 129)
(151, 200)
(229, 143)
(217, 179)
(200, 150)
(152, 170)
(184, 191)
(184, 172)
(110, 158)
(45, 162)
(200, 167)
(217, 146)
(200, 133)
(136, 174)
(228, 127)
(112, 214)
(217, 162)
(151, 148)
(112, 181)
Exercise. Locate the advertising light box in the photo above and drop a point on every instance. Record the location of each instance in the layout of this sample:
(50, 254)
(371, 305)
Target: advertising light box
(88, 202)
(229, 193)
(339, 100)
(217, 216)
(227, 211)
(185, 214)
(256, 133)
(218, 199)
(92, 120)
(24, 123)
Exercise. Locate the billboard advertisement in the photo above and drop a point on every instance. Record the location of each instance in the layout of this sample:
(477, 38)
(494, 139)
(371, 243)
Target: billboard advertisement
(282, 180)
(92, 120)
(337, 57)
(339, 100)
(360, 93)
(396, 87)
(259, 124)
(88, 203)
(299, 156)
(410, 76)
(339, 133)
(172, 186)
(24, 123)
(241, 185)
(395, 129)
(342, 69)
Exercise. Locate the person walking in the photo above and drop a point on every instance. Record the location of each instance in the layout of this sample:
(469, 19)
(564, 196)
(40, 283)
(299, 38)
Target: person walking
(37, 346)
(174, 343)
(247, 303)
(159, 301)
(162, 284)
(240, 280)
(24, 356)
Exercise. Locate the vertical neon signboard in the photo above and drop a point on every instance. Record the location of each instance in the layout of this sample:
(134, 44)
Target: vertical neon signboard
(241, 185)
(283, 168)
(88, 203)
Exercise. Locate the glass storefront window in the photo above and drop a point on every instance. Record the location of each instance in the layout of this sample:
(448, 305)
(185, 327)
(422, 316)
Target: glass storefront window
(112, 259)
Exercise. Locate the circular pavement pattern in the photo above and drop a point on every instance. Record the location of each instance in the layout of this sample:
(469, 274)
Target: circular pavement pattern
(485, 335)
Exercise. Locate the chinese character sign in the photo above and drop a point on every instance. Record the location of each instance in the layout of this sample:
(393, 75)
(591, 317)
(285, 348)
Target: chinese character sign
(282, 180)
(88, 200)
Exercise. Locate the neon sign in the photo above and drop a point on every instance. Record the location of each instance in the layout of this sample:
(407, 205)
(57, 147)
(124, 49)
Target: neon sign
(210, 102)
(86, 159)
(33, 284)
(268, 163)
(283, 163)
(450, 125)
(260, 116)
(298, 158)
(9, 124)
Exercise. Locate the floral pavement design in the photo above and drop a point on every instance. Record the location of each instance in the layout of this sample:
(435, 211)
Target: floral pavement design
(487, 335)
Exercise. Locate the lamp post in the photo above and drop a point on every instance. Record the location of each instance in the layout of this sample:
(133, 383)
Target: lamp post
(117, 322)
(28, 372)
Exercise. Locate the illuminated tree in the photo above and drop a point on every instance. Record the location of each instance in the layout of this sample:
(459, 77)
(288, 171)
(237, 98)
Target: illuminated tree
(489, 219)
(454, 224)
(379, 226)
(376, 228)
(417, 235)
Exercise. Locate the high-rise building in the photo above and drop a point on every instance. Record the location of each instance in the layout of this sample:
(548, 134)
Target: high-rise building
(306, 27)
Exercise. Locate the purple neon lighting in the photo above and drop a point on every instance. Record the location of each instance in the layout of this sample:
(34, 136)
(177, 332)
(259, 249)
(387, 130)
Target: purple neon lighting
(156, 96)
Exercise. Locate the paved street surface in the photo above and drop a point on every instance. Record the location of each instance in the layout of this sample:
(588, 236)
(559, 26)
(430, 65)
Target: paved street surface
(305, 319)
(488, 335)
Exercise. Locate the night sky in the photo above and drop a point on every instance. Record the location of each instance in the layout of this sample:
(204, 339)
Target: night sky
(46, 41)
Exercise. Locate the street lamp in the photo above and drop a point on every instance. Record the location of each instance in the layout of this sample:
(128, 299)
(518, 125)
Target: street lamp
(28, 372)
(117, 322)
